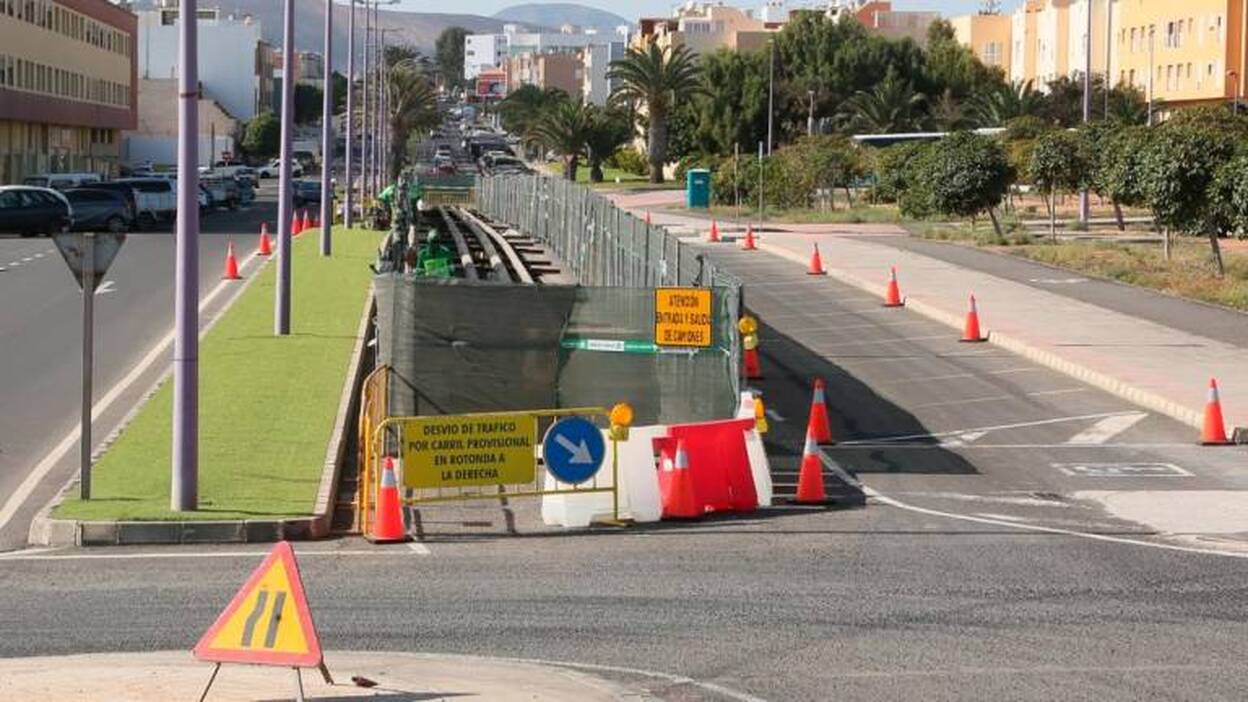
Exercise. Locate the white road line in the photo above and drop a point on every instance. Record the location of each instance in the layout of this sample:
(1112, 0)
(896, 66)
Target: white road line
(106, 287)
(885, 499)
(418, 548)
(1067, 391)
(1107, 429)
(667, 677)
(41, 470)
(1004, 517)
(27, 259)
(868, 342)
(997, 427)
(39, 255)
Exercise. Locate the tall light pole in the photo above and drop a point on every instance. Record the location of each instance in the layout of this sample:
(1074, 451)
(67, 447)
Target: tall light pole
(348, 199)
(810, 114)
(1084, 204)
(771, 93)
(1109, 52)
(1152, 69)
(281, 307)
(184, 484)
(327, 135)
(364, 116)
(379, 131)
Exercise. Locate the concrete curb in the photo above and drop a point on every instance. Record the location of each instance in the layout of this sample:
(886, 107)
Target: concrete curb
(47, 531)
(1048, 359)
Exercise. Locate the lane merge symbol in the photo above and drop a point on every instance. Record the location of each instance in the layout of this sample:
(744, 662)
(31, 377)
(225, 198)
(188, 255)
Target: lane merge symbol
(574, 450)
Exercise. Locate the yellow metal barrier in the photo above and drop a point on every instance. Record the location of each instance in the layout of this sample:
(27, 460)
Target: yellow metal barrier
(421, 489)
(374, 408)
(439, 197)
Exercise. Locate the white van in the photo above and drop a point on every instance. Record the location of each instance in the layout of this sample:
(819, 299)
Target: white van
(62, 181)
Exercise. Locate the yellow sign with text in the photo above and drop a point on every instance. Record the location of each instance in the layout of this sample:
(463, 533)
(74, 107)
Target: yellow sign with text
(682, 317)
(461, 451)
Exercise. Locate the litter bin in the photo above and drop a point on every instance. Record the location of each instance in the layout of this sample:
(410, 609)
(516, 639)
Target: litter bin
(698, 188)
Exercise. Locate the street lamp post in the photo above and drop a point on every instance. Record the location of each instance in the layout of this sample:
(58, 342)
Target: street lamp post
(184, 483)
(771, 94)
(327, 135)
(281, 310)
(810, 114)
(1152, 71)
(349, 199)
(368, 29)
(1084, 204)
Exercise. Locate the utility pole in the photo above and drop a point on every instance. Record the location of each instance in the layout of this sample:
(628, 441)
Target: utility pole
(348, 199)
(327, 135)
(1152, 69)
(1084, 204)
(1109, 52)
(368, 19)
(379, 154)
(184, 485)
(810, 115)
(281, 308)
(771, 94)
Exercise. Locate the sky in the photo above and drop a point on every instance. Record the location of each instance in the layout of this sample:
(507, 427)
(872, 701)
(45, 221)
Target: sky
(634, 8)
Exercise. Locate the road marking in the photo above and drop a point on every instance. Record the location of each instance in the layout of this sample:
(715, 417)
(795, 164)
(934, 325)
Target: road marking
(868, 342)
(107, 287)
(35, 554)
(27, 259)
(39, 255)
(666, 677)
(997, 427)
(997, 398)
(1122, 470)
(885, 499)
(1107, 429)
(418, 548)
(41, 470)
(773, 415)
(1006, 517)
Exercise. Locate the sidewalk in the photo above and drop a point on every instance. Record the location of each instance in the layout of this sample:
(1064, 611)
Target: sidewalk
(175, 675)
(1158, 367)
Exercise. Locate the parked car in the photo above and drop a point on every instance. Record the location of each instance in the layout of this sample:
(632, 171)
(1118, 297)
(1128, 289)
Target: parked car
(233, 170)
(31, 211)
(271, 169)
(246, 190)
(99, 210)
(224, 192)
(157, 199)
(306, 193)
(127, 191)
(61, 181)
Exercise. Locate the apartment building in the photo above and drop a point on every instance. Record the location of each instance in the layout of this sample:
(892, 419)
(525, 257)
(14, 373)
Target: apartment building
(559, 70)
(707, 27)
(67, 86)
(1183, 53)
(988, 36)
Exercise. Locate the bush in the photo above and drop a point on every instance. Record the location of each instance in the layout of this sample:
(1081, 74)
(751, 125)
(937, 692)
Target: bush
(629, 160)
(963, 175)
(894, 170)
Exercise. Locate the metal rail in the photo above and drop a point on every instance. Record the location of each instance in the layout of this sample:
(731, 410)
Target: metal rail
(517, 263)
(465, 256)
(478, 230)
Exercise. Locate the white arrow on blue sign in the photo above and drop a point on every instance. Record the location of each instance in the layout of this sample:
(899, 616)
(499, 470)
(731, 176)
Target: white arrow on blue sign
(574, 450)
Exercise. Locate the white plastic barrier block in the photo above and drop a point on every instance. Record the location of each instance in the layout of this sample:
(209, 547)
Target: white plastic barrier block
(639, 486)
(760, 467)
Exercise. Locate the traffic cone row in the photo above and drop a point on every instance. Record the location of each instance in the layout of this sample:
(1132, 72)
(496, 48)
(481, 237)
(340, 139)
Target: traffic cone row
(231, 263)
(388, 522)
(265, 248)
(679, 499)
(307, 223)
(296, 227)
(749, 244)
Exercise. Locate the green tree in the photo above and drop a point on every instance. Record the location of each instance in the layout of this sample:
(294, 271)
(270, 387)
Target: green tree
(732, 108)
(521, 110)
(894, 169)
(309, 101)
(1127, 105)
(564, 128)
(822, 162)
(1177, 170)
(413, 107)
(954, 67)
(449, 54)
(1059, 163)
(1229, 195)
(1064, 103)
(997, 106)
(965, 174)
(608, 130)
(263, 136)
(890, 107)
(1117, 167)
(656, 79)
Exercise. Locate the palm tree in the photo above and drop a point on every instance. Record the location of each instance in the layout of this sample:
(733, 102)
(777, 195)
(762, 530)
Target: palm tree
(520, 110)
(890, 107)
(413, 107)
(1006, 102)
(563, 128)
(609, 129)
(655, 79)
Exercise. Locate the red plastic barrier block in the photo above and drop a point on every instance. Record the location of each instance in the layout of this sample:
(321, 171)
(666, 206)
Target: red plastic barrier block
(718, 460)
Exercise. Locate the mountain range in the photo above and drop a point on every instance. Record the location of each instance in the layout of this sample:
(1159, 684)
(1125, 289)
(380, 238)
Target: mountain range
(558, 14)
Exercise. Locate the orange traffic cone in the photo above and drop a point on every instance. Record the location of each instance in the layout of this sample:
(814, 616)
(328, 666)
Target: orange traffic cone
(818, 426)
(892, 296)
(713, 235)
(749, 244)
(316, 222)
(679, 501)
(971, 334)
(266, 247)
(231, 263)
(388, 524)
(810, 479)
(307, 223)
(295, 225)
(1214, 432)
(816, 263)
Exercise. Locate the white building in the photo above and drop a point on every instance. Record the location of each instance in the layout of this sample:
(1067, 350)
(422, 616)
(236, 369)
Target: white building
(483, 51)
(235, 68)
(596, 60)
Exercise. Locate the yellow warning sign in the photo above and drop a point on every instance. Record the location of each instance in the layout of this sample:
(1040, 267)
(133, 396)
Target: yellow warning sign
(682, 317)
(465, 450)
(268, 621)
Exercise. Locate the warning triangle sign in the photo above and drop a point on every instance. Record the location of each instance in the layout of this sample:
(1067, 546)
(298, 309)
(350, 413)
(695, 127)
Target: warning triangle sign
(268, 622)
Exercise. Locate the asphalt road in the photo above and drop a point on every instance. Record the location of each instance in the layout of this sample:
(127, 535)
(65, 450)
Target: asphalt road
(40, 338)
(989, 563)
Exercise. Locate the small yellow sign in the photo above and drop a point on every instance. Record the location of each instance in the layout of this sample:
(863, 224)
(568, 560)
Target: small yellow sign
(682, 317)
(465, 450)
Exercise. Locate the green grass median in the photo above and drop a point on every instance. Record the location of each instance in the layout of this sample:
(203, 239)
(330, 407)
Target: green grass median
(267, 404)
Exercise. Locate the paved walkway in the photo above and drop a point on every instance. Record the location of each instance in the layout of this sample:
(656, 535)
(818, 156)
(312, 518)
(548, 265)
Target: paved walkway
(173, 675)
(1159, 367)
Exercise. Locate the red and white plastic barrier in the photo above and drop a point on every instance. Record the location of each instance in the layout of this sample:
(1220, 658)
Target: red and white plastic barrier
(639, 486)
(760, 467)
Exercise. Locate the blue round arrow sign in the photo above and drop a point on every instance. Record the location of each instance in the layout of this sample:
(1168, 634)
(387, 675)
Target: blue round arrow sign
(573, 449)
